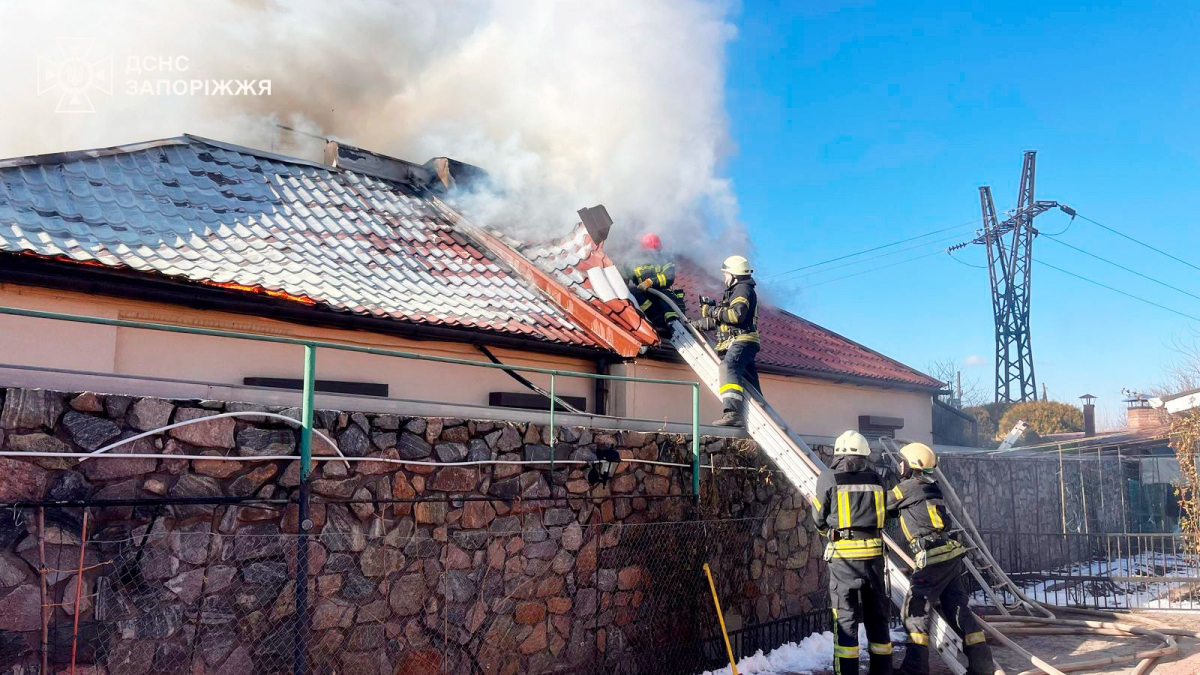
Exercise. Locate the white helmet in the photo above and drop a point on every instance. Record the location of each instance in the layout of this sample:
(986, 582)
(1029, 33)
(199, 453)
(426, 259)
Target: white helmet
(737, 265)
(851, 443)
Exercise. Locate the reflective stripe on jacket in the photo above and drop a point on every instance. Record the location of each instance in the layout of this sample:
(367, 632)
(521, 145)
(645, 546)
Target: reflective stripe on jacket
(736, 315)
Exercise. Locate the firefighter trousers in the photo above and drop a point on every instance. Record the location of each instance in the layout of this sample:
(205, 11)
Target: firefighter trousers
(941, 584)
(737, 373)
(858, 594)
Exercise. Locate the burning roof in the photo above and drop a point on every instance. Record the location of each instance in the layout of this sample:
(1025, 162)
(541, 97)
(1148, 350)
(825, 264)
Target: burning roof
(350, 239)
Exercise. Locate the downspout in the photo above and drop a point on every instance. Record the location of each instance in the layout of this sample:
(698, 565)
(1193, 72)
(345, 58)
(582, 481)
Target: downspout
(600, 397)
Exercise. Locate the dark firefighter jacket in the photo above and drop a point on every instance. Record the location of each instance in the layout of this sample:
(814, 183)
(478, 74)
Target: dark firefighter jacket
(923, 517)
(662, 277)
(850, 509)
(736, 316)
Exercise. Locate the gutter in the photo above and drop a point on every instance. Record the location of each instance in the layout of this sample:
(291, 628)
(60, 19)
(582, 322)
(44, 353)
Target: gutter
(40, 272)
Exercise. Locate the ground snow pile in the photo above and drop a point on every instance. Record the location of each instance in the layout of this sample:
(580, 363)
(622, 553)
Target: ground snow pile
(814, 652)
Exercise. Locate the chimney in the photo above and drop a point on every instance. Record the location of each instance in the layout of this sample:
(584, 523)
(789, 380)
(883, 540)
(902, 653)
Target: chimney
(597, 222)
(1089, 415)
(1139, 415)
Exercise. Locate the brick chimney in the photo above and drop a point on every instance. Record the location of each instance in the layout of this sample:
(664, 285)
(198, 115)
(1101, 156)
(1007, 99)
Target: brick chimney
(1145, 418)
(1089, 415)
(1139, 415)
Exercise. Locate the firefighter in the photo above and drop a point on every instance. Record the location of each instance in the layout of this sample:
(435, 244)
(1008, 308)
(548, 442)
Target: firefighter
(937, 579)
(735, 319)
(654, 271)
(849, 508)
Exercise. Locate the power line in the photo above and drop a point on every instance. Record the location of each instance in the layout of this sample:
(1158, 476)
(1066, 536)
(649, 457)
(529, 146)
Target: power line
(874, 248)
(1117, 290)
(873, 269)
(859, 262)
(1140, 243)
(1119, 265)
(950, 252)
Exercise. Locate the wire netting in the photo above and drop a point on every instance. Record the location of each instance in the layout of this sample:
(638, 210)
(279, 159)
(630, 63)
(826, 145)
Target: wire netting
(501, 588)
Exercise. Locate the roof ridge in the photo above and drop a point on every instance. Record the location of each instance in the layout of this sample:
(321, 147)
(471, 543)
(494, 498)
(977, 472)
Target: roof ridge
(592, 321)
(76, 155)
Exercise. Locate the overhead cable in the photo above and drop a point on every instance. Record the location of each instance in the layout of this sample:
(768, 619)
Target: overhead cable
(875, 248)
(1140, 243)
(1117, 290)
(1119, 265)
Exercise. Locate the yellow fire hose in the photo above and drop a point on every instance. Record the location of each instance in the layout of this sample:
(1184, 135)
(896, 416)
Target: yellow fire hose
(721, 619)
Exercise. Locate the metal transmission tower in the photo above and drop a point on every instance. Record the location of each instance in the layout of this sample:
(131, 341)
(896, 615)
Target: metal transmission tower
(1010, 255)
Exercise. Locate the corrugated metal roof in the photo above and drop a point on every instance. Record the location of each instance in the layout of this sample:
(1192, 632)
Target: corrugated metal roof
(219, 215)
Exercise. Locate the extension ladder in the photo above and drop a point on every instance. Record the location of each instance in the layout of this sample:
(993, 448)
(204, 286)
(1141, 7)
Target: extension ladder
(802, 466)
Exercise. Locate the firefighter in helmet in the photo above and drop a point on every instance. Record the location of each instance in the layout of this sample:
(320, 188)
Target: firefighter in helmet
(735, 319)
(849, 508)
(653, 270)
(937, 579)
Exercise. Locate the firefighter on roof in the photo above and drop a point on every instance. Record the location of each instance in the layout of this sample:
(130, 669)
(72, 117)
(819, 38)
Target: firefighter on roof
(850, 509)
(735, 319)
(653, 270)
(917, 500)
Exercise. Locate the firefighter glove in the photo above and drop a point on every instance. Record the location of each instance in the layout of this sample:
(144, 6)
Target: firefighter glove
(646, 284)
(706, 323)
(705, 300)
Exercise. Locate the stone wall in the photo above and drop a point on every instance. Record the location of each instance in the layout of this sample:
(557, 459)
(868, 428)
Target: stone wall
(1038, 514)
(495, 568)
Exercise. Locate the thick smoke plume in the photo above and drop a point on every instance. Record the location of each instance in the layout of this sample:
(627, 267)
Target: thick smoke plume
(565, 104)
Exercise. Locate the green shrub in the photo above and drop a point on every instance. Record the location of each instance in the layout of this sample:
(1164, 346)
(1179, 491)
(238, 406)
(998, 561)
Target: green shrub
(1043, 418)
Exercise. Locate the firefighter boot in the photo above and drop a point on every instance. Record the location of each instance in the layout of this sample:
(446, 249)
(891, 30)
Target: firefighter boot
(979, 659)
(916, 660)
(844, 665)
(730, 419)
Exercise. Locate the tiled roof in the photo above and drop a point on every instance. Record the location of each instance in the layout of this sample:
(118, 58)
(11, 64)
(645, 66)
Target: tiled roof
(215, 214)
(793, 344)
(220, 215)
(579, 263)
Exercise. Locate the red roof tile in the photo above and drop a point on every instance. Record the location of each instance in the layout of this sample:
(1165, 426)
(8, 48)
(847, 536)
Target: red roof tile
(796, 345)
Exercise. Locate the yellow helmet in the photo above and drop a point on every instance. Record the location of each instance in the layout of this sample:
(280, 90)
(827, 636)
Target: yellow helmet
(919, 456)
(737, 265)
(851, 443)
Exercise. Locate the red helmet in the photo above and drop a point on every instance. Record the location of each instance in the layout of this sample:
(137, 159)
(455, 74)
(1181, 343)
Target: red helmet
(651, 242)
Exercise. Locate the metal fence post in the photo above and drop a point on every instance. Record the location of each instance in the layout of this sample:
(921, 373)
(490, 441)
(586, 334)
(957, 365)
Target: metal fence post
(551, 429)
(696, 446)
(300, 657)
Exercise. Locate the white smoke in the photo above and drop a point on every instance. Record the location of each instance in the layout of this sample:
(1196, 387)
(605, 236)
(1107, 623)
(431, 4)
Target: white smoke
(564, 104)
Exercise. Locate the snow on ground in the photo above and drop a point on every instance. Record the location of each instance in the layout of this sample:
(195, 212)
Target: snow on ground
(812, 654)
(1091, 583)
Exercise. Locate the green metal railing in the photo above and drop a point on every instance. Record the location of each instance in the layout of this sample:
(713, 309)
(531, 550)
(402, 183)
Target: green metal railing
(310, 355)
(308, 393)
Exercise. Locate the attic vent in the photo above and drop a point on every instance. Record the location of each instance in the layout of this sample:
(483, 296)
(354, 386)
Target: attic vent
(874, 426)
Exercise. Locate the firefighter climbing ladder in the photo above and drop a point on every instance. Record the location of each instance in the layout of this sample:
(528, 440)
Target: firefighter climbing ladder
(802, 467)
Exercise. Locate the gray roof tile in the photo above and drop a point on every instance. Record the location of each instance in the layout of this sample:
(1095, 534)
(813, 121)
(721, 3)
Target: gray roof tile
(192, 210)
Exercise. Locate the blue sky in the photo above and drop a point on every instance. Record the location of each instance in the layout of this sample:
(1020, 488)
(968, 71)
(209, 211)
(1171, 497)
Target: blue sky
(865, 124)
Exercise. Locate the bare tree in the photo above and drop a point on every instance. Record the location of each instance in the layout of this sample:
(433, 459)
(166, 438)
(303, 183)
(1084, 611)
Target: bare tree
(948, 371)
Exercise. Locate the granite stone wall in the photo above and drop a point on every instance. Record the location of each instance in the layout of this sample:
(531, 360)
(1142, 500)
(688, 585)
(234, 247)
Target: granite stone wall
(190, 565)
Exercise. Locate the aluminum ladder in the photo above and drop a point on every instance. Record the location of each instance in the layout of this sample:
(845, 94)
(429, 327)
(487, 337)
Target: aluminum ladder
(792, 456)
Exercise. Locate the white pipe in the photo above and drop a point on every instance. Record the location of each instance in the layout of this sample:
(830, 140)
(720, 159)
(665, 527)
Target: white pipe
(386, 460)
(155, 432)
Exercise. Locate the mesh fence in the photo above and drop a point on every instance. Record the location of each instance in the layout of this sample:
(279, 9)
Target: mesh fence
(494, 588)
